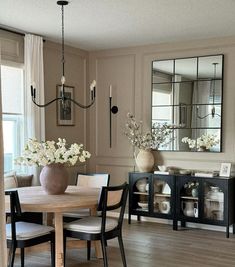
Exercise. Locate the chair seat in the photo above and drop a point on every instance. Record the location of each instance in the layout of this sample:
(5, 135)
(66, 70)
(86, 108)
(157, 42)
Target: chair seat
(26, 230)
(91, 225)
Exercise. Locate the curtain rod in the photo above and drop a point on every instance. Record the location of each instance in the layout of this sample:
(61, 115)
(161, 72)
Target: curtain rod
(12, 31)
(16, 32)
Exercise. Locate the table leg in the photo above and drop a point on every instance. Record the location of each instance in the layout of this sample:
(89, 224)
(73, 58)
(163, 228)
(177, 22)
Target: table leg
(98, 250)
(59, 250)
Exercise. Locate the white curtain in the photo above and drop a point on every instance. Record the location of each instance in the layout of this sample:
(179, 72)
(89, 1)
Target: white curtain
(3, 251)
(34, 75)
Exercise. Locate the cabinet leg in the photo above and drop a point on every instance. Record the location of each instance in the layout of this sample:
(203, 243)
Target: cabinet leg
(183, 223)
(129, 218)
(138, 218)
(175, 225)
(227, 231)
(233, 228)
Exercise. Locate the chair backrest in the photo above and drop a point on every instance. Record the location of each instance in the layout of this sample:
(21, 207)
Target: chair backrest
(112, 198)
(96, 180)
(15, 210)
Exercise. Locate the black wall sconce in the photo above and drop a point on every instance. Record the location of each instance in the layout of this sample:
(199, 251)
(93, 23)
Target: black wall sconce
(112, 110)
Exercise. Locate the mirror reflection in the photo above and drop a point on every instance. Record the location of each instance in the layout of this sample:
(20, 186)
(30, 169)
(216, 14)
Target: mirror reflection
(187, 93)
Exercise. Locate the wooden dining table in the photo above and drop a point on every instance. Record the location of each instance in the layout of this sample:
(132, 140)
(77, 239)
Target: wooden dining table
(34, 199)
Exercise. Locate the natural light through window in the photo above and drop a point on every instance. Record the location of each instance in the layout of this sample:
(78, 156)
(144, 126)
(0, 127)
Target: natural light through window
(12, 108)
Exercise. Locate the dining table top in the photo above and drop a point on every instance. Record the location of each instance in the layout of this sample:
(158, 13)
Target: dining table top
(35, 199)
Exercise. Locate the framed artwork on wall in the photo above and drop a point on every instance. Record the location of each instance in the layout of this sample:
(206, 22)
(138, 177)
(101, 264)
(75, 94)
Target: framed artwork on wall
(65, 111)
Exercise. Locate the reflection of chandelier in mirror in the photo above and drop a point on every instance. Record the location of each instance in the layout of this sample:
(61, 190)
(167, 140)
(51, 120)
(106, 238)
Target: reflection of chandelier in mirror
(212, 90)
(63, 98)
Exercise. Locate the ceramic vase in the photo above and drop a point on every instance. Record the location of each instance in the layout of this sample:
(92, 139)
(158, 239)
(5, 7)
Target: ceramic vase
(195, 192)
(54, 179)
(145, 160)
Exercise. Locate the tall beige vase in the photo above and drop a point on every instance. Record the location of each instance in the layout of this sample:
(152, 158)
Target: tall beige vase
(54, 179)
(145, 160)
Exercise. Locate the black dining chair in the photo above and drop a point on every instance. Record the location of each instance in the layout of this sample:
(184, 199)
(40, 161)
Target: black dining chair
(24, 234)
(102, 228)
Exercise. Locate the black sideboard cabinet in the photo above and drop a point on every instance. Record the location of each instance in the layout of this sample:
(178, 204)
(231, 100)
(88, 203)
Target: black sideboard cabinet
(183, 198)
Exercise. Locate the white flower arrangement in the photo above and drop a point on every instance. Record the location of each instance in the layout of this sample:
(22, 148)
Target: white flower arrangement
(49, 152)
(206, 140)
(148, 140)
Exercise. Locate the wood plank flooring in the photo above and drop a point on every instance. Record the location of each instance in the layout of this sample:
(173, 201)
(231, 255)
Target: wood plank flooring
(149, 244)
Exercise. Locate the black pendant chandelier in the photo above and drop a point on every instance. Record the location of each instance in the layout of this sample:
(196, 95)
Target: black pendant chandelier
(63, 98)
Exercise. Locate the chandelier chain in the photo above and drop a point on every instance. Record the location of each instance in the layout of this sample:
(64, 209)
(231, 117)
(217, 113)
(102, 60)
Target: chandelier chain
(62, 25)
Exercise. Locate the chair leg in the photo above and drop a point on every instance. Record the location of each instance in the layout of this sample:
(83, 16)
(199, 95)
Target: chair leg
(88, 250)
(104, 251)
(122, 250)
(22, 257)
(11, 256)
(53, 253)
(65, 249)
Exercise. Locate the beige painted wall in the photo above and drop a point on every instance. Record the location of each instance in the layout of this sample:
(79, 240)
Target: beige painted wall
(129, 72)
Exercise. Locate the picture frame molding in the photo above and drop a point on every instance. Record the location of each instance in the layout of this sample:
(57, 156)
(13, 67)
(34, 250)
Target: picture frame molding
(70, 121)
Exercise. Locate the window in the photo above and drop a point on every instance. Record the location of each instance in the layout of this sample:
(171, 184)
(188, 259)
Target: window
(12, 107)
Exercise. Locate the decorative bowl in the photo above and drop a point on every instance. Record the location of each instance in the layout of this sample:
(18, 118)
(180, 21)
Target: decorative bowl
(162, 168)
(143, 204)
(141, 185)
(185, 172)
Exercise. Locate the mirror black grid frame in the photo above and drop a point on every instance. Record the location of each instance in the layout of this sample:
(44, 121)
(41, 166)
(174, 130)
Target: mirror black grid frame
(188, 111)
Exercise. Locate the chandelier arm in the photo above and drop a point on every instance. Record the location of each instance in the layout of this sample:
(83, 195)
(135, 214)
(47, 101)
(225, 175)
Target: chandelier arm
(47, 104)
(203, 117)
(81, 105)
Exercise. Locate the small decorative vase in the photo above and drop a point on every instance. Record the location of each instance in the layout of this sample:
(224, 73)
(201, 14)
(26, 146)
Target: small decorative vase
(202, 149)
(145, 160)
(195, 192)
(54, 179)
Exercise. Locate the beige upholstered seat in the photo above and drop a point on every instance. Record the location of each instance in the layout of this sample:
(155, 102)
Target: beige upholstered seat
(26, 230)
(91, 224)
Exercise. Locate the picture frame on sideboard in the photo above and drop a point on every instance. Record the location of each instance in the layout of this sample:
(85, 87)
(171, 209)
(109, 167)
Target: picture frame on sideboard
(225, 169)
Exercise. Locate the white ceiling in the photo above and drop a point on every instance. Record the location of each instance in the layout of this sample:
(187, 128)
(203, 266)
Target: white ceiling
(102, 24)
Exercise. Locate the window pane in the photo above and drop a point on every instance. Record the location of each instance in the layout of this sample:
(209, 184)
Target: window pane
(8, 137)
(12, 89)
(12, 139)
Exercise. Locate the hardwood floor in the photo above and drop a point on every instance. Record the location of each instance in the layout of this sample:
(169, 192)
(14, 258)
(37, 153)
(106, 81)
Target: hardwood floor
(150, 244)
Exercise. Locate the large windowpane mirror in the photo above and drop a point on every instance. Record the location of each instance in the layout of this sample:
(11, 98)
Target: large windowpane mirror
(187, 94)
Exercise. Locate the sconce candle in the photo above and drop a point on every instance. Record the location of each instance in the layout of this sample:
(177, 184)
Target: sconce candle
(110, 90)
(92, 88)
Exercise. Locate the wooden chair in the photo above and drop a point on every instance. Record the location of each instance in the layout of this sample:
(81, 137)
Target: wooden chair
(102, 228)
(95, 180)
(22, 234)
